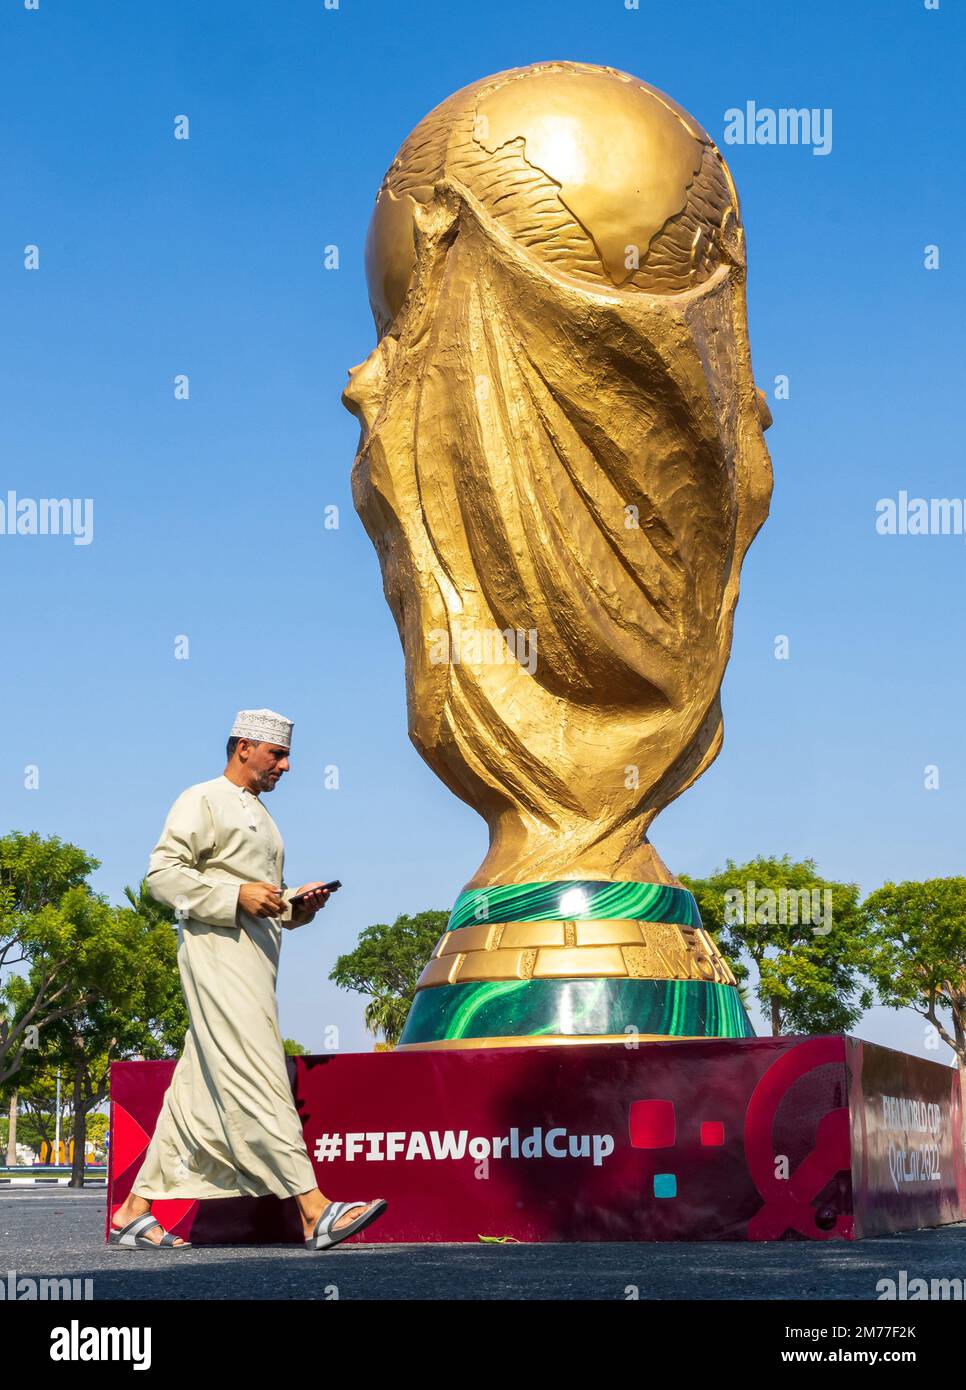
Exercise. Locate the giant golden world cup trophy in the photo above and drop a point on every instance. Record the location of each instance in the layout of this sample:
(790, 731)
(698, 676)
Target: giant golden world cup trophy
(561, 467)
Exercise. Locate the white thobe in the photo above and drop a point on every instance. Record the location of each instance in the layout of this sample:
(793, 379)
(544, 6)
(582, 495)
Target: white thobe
(228, 1125)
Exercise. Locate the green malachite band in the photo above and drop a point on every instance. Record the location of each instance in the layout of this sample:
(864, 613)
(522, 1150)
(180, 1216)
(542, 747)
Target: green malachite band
(580, 1007)
(529, 1008)
(585, 900)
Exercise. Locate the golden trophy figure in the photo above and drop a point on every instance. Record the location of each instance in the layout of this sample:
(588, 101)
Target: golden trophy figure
(561, 467)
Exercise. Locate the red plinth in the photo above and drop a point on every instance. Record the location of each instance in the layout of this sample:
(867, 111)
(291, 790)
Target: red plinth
(711, 1139)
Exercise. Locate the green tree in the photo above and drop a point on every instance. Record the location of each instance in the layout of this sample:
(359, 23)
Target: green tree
(36, 1123)
(97, 1125)
(386, 965)
(805, 935)
(36, 1089)
(124, 975)
(167, 1011)
(47, 913)
(293, 1048)
(918, 954)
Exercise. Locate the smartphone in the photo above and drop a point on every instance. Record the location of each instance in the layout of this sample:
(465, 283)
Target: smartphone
(332, 887)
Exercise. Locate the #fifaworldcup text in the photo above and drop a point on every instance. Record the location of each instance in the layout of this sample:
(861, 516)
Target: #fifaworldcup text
(382, 1145)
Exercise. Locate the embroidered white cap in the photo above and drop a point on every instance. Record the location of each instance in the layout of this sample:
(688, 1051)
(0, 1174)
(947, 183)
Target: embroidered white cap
(263, 726)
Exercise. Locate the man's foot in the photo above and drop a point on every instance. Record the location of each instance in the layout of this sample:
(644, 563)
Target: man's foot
(308, 1227)
(339, 1221)
(133, 1208)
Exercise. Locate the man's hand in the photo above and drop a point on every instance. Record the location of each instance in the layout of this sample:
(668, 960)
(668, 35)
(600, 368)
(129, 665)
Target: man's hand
(306, 910)
(260, 899)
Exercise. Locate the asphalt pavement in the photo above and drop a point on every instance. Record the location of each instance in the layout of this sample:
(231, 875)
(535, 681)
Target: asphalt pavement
(59, 1233)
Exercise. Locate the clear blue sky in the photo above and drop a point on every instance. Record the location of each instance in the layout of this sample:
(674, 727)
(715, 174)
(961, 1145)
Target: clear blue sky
(205, 257)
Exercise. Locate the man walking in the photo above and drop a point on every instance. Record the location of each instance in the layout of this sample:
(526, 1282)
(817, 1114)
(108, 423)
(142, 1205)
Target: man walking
(228, 1125)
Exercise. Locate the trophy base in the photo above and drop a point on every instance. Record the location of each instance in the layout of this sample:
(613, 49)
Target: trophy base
(538, 1012)
(748, 1139)
(574, 961)
(541, 1040)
